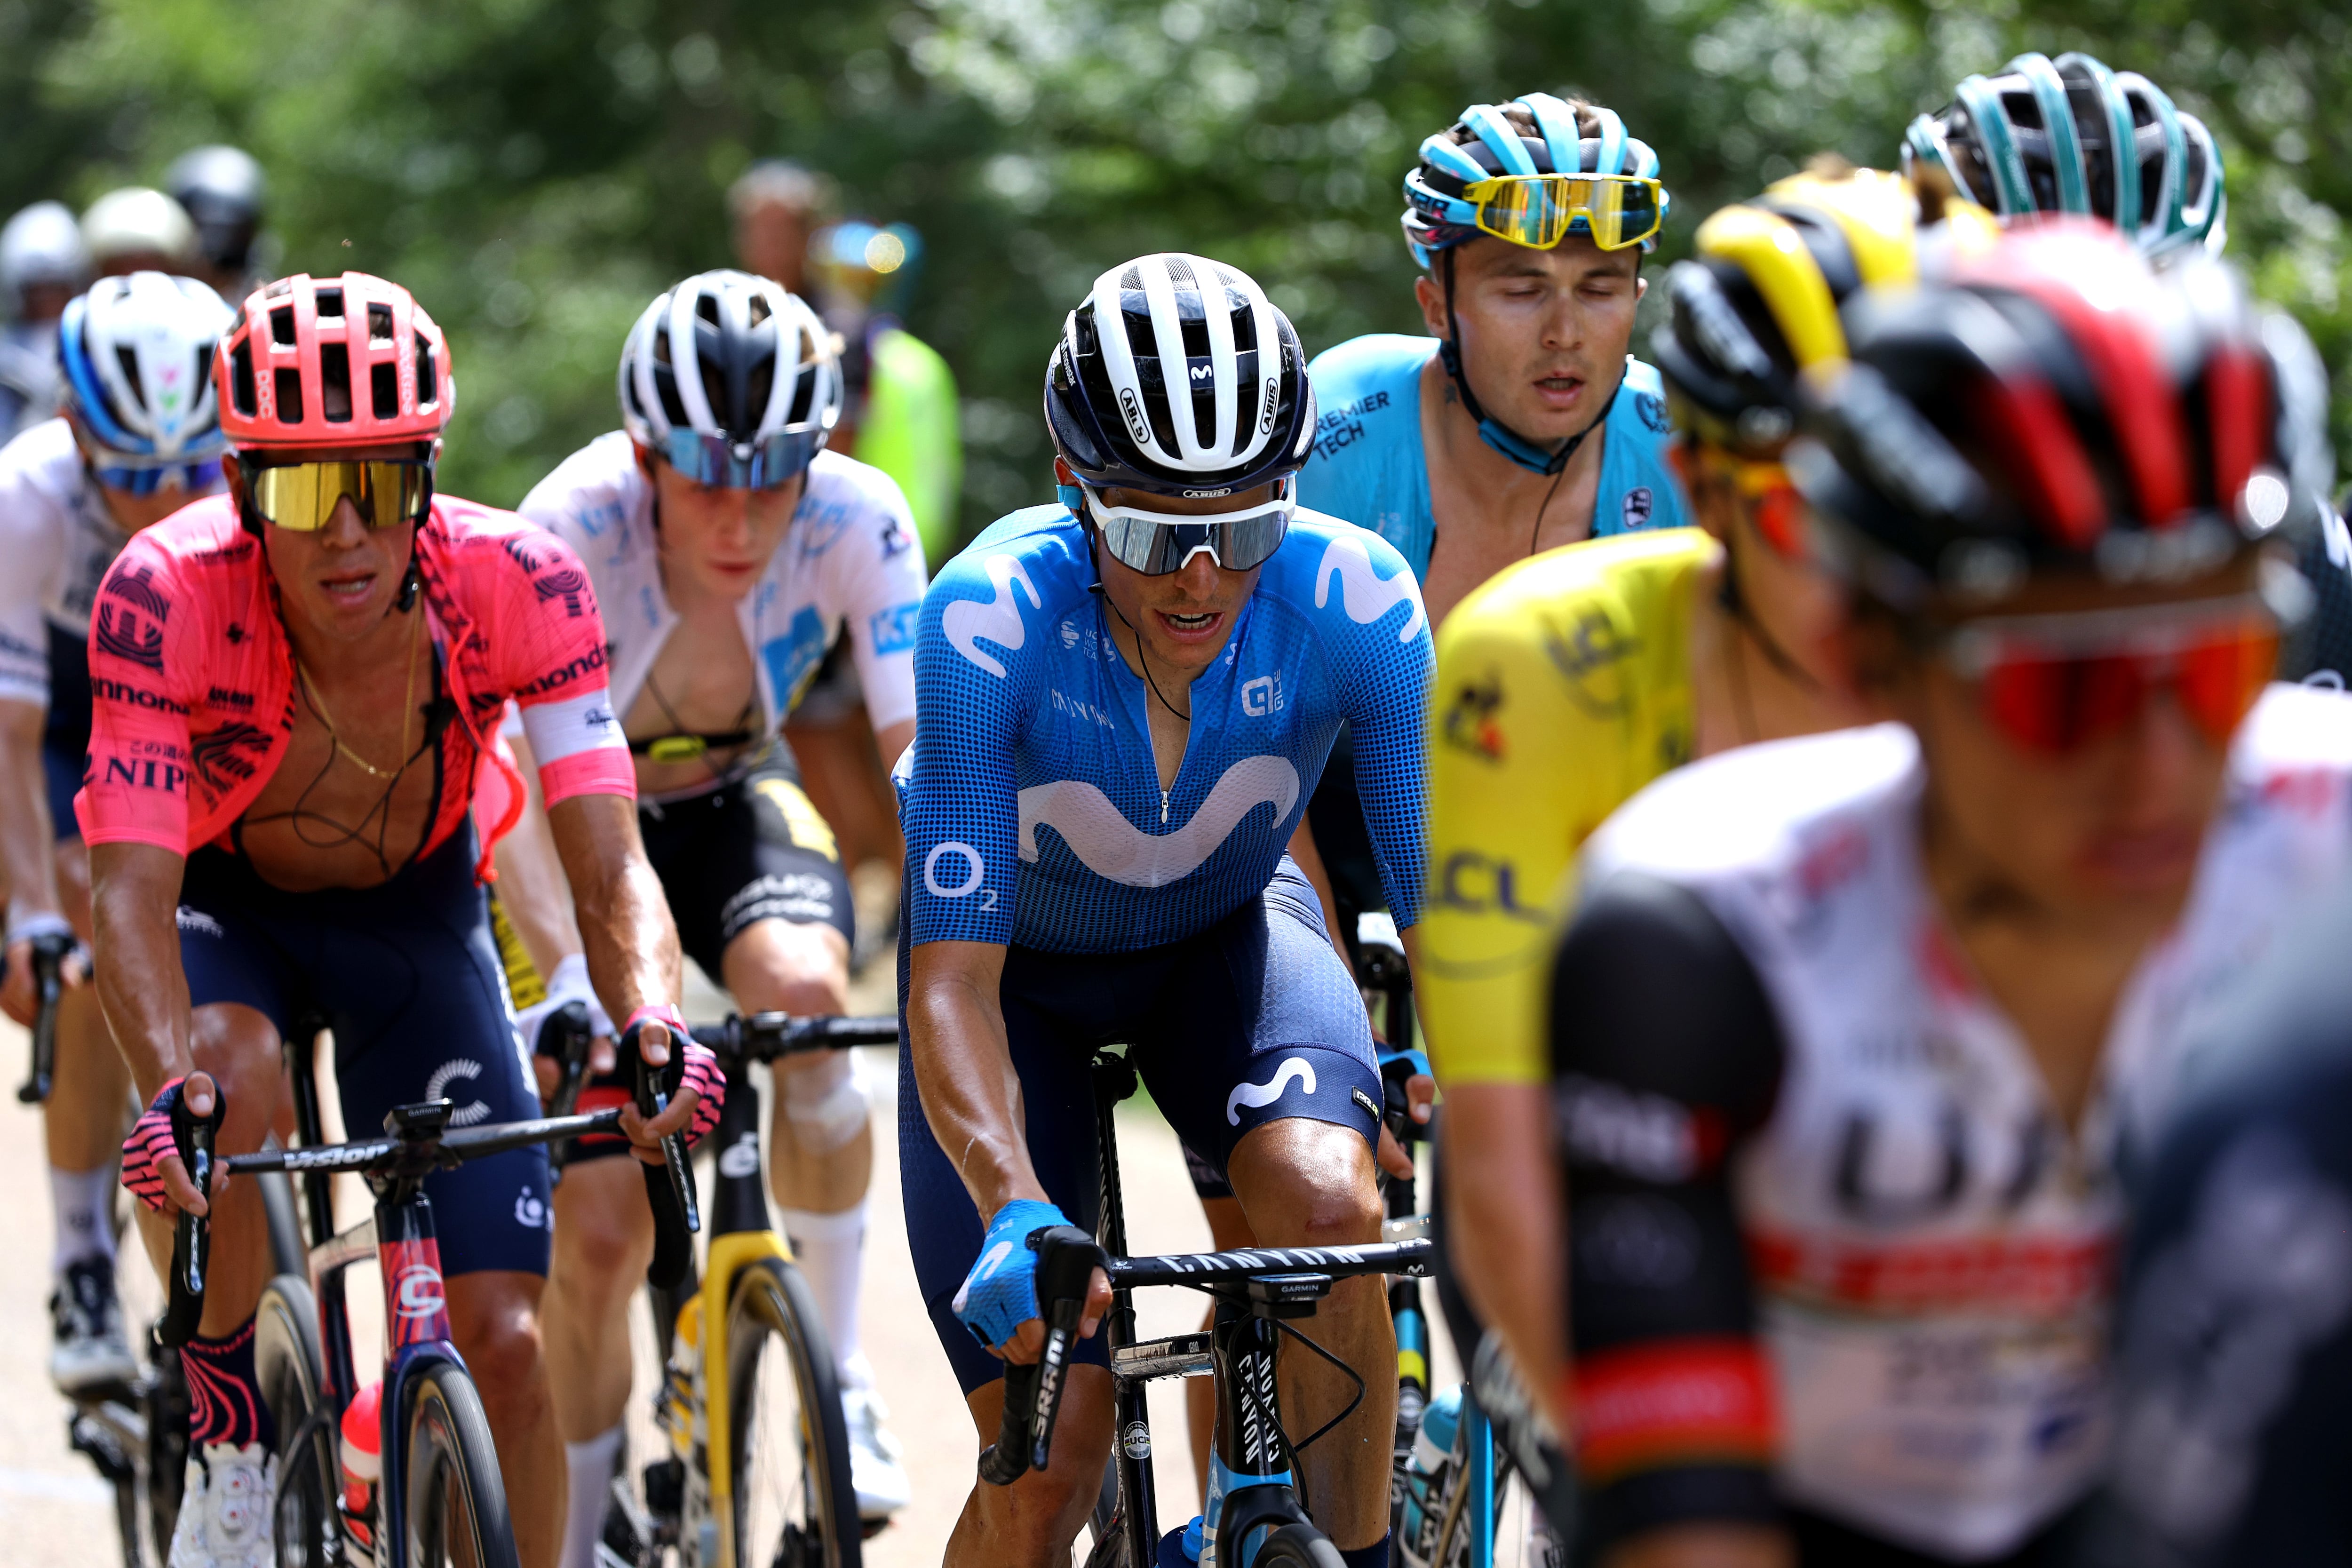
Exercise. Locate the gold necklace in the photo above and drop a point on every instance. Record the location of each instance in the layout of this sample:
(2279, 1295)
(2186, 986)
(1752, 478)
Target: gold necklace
(407, 710)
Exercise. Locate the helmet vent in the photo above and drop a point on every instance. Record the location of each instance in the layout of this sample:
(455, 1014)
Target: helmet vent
(1131, 279)
(281, 326)
(335, 382)
(289, 395)
(428, 380)
(758, 312)
(130, 363)
(706, 309)
(240, 379)
(331, 304)
(384, 387)
(1181, 271)
(379, 324)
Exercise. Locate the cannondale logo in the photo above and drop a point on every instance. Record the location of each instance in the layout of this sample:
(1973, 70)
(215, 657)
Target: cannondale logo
(437, 1087)
(1136, 426)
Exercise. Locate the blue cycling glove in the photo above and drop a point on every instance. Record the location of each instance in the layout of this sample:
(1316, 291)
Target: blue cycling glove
(1000, 1294)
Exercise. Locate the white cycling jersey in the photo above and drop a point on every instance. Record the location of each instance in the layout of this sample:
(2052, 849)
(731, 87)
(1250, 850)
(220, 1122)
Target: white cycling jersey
(57, 540)
(851, 559)
(1932, 1249)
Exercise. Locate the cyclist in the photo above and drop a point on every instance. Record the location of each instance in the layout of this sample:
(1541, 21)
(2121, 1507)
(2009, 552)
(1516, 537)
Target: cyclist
(1850, 1030)
(295, 688)
(43, 264)
(227, 196)
(139, 438)
(775, 205)
(733, 547)
(1570, 680)
(2231, 1349)
(137, 229)
(1176, 606)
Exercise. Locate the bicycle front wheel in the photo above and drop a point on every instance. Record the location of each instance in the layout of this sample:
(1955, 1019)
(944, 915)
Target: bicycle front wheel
(1298, 1546)
(789, 1452)
(457, 1507)
(286, 1363)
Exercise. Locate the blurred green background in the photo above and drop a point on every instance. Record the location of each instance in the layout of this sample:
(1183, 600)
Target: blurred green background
(535, 169)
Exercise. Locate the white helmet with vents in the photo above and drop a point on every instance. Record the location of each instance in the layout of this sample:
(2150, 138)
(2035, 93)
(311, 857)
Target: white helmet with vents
(732, 379)
(137, 354)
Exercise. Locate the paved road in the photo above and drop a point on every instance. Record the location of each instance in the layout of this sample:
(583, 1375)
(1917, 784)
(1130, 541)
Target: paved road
(55, 1513)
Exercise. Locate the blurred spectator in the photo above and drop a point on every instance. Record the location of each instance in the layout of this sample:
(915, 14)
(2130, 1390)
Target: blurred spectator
(43, 264)
(227, 196)
(139, 229)
(776, 205)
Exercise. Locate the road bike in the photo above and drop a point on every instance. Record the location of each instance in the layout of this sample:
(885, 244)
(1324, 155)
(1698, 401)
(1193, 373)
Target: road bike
(756, 1475)
(1254, 1517)
(438, 1497)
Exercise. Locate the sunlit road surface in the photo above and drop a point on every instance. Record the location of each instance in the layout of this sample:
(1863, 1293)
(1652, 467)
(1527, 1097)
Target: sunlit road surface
(54, 1512)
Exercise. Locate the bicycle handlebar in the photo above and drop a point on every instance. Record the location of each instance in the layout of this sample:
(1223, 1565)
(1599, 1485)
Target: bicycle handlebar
(1066, 1259)
(192, 1239)
(764, 1036)
(50, 954)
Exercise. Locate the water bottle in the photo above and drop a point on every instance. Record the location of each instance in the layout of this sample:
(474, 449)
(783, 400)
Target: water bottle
(362, 1446)
(1434, 1462)
(1180, 1548)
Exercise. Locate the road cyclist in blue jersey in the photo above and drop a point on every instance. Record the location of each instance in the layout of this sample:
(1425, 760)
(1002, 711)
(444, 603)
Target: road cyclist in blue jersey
(1128, 698)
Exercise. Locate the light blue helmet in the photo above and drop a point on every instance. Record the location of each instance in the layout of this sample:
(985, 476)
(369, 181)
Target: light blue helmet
(137, 354)
(1484, 143)
(2044, 137)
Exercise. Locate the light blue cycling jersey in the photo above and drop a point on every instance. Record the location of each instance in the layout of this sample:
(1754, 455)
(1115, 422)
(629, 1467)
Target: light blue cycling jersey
(1368, 465)
(1031, 804)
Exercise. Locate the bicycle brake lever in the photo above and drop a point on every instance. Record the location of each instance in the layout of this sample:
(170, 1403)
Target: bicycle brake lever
(49, 954)
(669, 1188)
(1006, 1461)
(568, 1026)
(192, 1241)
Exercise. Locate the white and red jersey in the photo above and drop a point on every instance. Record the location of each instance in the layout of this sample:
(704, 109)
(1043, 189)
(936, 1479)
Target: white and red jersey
(1933, 1251)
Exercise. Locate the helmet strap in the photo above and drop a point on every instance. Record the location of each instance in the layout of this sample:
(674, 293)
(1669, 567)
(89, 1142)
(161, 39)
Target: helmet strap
(1734, 604)
(1493, 431)
(412, 583)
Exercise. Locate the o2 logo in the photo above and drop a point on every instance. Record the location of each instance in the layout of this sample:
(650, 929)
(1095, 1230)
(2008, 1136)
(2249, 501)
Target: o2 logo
(952, 857)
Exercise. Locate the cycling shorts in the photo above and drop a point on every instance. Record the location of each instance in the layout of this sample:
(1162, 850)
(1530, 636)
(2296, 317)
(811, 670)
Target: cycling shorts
(1251, 1021)
(407, 976)
(751, 849)
(61, 762)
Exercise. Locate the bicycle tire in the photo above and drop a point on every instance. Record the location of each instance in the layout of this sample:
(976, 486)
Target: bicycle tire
(771, 1310)
(454, 1492)
(305, 1523)
(1298, 1546)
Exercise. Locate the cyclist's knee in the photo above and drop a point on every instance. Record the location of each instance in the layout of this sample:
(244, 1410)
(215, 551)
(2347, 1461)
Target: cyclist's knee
(494, 1322)
(603, 1238)
(1307, 1183)
(238, 1046)
(789, 966)
(825, 1101)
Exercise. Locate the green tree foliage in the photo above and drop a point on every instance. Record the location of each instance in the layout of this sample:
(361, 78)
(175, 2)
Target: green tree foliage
(536, 169)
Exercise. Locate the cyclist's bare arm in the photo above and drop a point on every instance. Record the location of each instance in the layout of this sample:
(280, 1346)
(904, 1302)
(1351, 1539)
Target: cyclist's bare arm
(134, 901)
(532, 887)
(972, 1095)
(1505, 1227)
(27, 863)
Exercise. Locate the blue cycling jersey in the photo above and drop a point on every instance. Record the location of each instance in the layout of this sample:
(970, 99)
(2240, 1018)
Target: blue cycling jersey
(1368, 465)
(1031, 804)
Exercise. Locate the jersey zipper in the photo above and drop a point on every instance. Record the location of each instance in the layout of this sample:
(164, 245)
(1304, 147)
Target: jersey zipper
(1163, 808)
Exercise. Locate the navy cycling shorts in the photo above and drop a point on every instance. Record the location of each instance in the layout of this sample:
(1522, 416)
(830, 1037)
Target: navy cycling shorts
(61, 764)
(1251, 1021)
(407, 975)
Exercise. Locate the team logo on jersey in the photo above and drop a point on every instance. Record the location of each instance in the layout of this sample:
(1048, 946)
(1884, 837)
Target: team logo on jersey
(1590, 654)
(1653, 410)
(1639, 503)
(1262, 696)
(1470, 718)
(966, 621)
(893, 630)
(1257, 1097)
(1117, 850)
(1366, 595)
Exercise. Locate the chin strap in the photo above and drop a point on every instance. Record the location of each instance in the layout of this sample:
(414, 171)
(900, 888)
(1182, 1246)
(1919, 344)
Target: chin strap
(1493, 431)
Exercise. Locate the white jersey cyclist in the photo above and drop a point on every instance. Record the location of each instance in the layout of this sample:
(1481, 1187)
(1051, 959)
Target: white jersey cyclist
(850, 563)
(57, 539)
(1928, 1246)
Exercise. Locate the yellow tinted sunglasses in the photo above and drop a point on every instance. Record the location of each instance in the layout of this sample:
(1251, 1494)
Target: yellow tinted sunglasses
(303, 496)
(1539, 210)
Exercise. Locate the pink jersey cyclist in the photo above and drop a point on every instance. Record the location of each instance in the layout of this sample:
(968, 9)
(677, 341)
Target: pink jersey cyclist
(194, 685)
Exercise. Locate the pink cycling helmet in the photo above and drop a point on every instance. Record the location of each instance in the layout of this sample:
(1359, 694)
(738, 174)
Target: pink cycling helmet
(332, 362)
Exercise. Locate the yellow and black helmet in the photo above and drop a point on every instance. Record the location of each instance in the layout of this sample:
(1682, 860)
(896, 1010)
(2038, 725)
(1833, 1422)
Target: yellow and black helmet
(1758, 307)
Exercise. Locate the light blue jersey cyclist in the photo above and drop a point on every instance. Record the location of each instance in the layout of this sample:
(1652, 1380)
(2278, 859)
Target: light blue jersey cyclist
(1125, 700)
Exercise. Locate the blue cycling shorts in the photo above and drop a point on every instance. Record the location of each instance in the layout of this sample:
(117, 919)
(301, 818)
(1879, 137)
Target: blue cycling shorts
(1251, 1021)
(407, 975)
(61, 764)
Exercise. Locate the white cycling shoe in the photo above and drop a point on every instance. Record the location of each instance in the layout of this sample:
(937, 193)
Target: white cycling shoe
(225, 1514)
(877, 1471)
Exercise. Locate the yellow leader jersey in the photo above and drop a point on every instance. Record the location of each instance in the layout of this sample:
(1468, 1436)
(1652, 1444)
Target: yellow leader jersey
(1563, 686)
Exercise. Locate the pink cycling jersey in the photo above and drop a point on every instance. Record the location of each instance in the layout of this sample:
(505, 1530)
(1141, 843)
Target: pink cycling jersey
(192, 676)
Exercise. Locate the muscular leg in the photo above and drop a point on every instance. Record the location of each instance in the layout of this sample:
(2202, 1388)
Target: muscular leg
(494, 1322)
(603, 1240)
(1304, 1183)
(1034, 1522)
(820, 1159)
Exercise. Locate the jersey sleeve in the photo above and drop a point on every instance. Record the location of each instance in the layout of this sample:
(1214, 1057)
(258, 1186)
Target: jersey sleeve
(1510, 755)
(1380, 651)
(147, 657)
(974, 661)
(882, 605)
(1666, 1053)
(552, 640)
(31, 543)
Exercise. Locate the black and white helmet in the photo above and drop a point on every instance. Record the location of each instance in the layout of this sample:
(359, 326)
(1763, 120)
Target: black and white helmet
(1177, 377)
(731, 378)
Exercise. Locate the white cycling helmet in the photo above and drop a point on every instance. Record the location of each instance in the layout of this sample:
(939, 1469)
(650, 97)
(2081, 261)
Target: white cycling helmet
(40, 244)
(138, 222)
(1178, 376)
(137, 353)
(731, 378)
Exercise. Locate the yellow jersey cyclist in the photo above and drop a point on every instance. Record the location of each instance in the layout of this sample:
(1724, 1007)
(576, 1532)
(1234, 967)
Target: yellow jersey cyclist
(139, 438)
(729, 546)
(1853, 1033)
